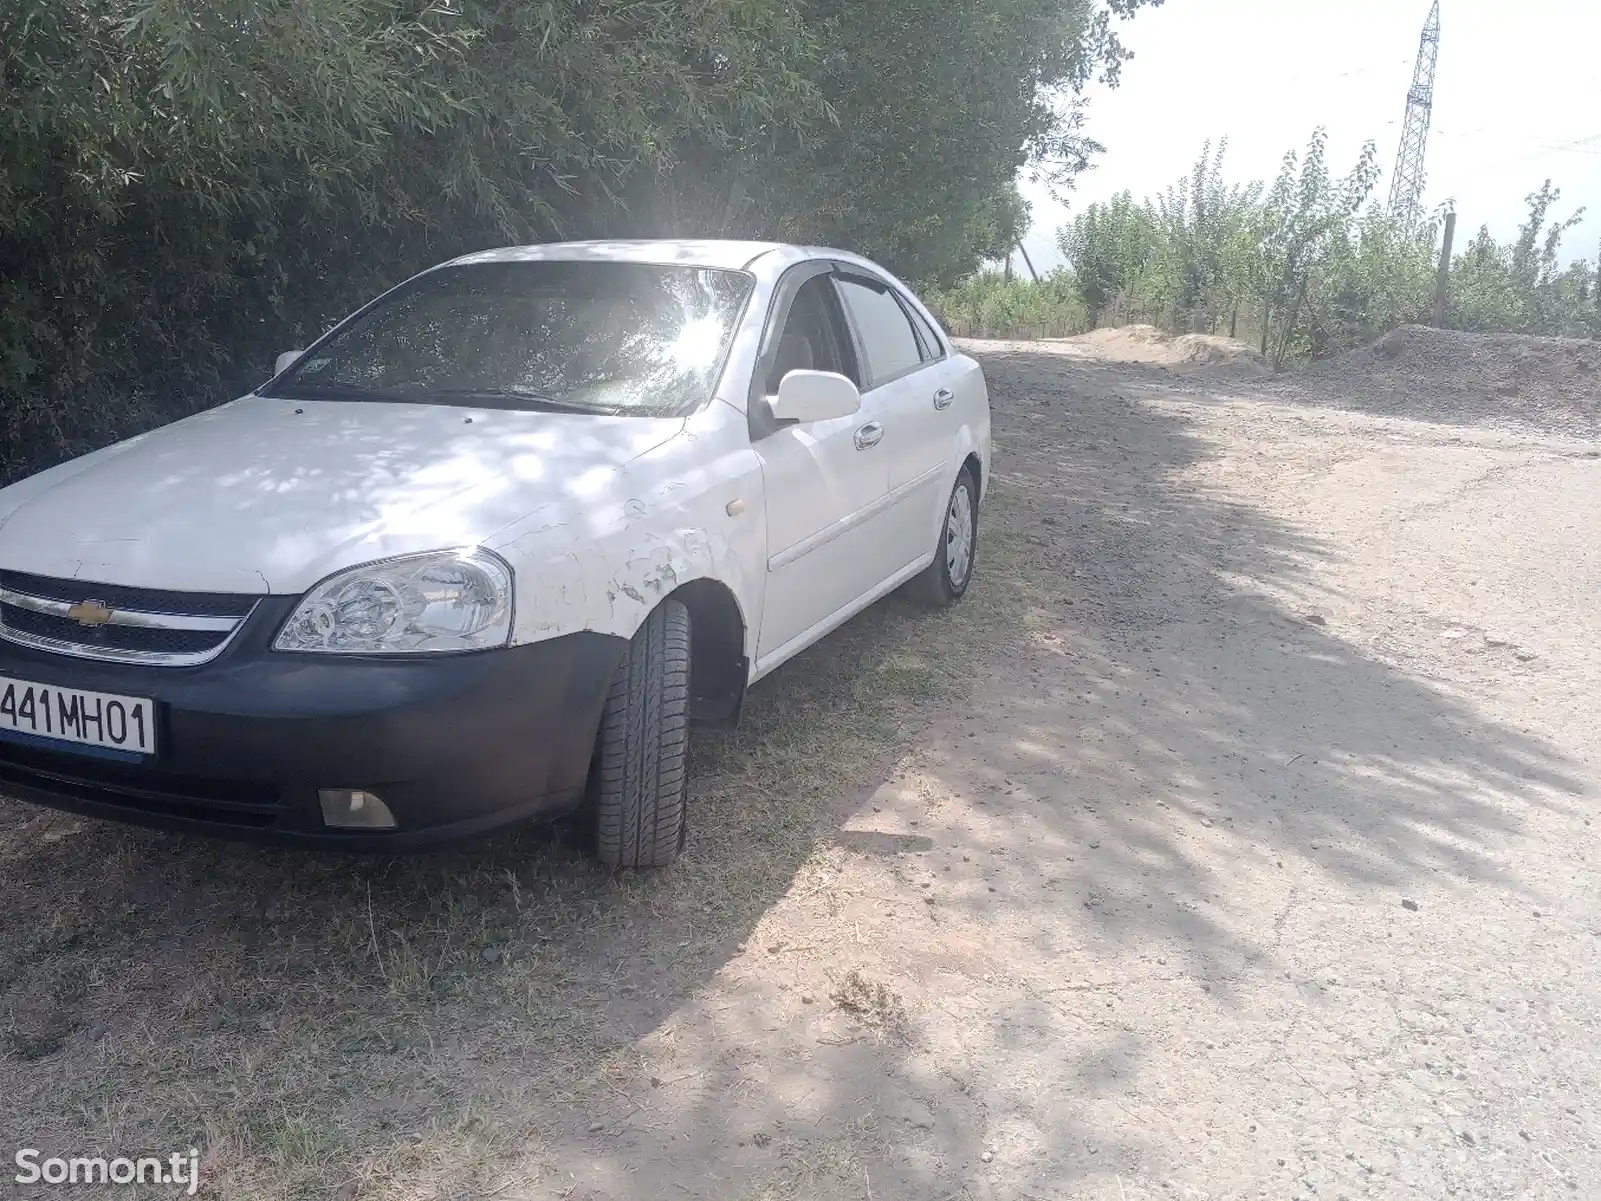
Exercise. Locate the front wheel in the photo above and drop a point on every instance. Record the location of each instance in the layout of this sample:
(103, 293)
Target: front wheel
(641, 780)
(945, 580)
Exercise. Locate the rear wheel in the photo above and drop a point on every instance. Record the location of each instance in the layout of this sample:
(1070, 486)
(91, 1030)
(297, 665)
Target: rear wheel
(641, 779)
(946, 579)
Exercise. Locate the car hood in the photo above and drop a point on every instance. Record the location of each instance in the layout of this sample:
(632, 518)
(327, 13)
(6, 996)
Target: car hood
(267, 495)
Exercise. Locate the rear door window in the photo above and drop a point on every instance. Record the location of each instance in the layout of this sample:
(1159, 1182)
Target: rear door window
(889, 343)
(933, 347)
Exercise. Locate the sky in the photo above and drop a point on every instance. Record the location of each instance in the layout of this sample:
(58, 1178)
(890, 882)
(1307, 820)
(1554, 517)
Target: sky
(1517, 99)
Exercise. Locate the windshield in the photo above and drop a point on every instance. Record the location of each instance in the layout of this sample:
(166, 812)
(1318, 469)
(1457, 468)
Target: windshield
(594, 337)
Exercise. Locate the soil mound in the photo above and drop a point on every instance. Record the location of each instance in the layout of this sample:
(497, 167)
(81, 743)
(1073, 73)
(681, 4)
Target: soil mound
(1551, 384)
(1148, 344)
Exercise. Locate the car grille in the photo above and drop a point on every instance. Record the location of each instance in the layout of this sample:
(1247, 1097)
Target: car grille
(119, 624)
(139, 790)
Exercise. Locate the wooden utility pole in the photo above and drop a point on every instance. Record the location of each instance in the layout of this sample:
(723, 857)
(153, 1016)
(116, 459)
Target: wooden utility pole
(1442, 282)
(1035, 275)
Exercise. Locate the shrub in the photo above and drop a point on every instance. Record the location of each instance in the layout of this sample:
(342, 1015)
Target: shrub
(989, 306)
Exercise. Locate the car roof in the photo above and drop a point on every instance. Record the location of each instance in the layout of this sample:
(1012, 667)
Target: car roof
(727, 254)
(691, 252)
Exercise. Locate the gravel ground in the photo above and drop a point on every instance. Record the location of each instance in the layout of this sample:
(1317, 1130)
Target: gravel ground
(1257, 860)
(1233, 839)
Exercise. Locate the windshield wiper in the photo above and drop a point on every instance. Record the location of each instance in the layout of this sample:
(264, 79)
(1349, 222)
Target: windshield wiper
(493, 398)
(514, 398)
(309, 391)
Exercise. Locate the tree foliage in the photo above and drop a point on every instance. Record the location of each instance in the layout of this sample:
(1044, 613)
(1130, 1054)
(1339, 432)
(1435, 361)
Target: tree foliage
(1316, 266)
(1519, 287)
(934, 108)
(1111, 247)
(988, 305)
(188, 186)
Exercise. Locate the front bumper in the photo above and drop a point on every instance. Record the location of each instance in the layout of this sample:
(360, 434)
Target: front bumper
(455, 745)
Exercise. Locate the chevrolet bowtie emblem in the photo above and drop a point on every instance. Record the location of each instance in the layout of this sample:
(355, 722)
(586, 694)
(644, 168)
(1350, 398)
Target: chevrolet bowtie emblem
(90, 613)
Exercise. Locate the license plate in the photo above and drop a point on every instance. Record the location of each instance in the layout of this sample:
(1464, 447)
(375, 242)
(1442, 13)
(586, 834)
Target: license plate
(94, 722)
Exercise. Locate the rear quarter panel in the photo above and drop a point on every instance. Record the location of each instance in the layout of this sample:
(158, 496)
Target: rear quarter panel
(972, 398)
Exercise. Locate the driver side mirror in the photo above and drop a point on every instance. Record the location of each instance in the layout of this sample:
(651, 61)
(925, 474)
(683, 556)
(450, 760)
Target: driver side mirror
(815, 396)
(285, 361)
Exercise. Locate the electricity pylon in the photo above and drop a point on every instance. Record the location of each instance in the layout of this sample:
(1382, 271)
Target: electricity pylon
(1406, 189)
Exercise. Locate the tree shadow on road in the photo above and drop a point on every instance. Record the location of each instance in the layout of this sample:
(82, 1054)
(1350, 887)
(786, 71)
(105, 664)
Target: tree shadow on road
(1157, 609)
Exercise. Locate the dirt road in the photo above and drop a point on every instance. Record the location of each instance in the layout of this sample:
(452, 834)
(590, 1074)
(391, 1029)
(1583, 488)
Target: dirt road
(1232, 840)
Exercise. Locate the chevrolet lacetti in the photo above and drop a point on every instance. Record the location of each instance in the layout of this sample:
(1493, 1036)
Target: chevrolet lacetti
(487, 549)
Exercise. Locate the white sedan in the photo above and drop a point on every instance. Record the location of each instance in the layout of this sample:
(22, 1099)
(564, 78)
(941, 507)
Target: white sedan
(487, 548)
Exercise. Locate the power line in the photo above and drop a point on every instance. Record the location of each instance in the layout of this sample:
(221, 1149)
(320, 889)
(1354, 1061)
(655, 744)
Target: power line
(1540, 150)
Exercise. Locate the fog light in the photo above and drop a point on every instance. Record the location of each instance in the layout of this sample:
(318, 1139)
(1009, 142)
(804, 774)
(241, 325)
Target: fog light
(351, 809)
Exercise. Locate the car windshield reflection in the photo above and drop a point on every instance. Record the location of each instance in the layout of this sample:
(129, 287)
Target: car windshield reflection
(631, 339)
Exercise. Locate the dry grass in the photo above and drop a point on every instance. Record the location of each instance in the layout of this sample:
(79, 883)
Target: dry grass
(873, 1003)
(327, 1026)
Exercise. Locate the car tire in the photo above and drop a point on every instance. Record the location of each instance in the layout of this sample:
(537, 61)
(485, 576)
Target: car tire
(946, 580)
(641, 779)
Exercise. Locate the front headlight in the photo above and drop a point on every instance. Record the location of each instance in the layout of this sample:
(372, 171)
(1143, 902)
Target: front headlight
(455, 600)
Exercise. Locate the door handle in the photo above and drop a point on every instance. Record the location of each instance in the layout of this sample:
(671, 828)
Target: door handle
(869, 436)
(943, 398)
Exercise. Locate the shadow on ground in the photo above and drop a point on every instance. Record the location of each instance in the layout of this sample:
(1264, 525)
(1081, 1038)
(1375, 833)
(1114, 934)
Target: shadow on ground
(411, 1027)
